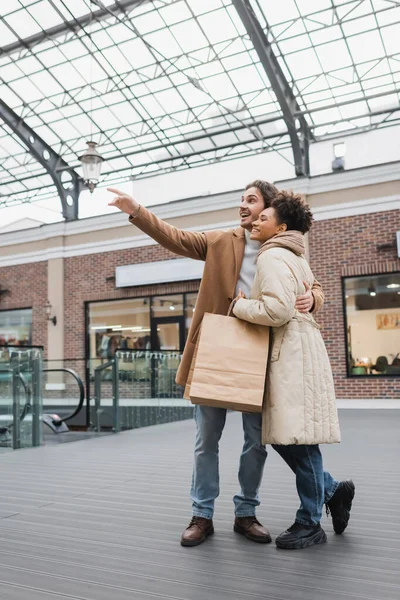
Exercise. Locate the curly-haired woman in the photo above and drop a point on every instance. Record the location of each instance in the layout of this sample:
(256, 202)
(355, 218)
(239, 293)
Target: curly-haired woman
(300, 408)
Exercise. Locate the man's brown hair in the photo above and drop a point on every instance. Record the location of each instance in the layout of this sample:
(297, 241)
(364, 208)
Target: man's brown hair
(267, 190)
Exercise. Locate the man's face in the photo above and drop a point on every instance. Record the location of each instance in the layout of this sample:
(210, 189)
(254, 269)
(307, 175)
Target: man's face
(250, 208)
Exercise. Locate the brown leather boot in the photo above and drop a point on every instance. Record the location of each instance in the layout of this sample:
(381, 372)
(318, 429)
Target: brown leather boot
(197, 531)
(252, 529)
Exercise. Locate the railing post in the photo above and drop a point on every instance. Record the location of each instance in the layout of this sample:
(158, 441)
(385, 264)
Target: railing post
(153, 376)
(115, 386)
(36, 400)
(16, 430)
(97, 398)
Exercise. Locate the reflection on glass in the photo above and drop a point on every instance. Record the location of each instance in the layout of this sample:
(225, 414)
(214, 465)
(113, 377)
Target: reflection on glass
(167, 336)
(373, 324)
(16, 327)
(119, 324)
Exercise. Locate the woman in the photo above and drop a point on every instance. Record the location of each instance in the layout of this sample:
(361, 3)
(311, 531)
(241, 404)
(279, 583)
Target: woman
(299, 409)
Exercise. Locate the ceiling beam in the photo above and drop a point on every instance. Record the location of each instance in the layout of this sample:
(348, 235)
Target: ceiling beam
(68, 26)
(67, 181)
(299, 132)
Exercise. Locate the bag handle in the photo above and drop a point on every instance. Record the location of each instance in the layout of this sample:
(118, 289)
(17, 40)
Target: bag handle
(230, 309)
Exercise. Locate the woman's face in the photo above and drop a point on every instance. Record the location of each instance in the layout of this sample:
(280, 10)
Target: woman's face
(266, 226)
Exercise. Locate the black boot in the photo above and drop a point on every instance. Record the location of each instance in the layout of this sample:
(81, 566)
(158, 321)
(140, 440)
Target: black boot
(301, 536)
(339, 506)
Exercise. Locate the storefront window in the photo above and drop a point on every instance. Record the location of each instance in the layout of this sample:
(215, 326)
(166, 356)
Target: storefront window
(373, 325)
(119, 324)
(16, 327)
(153, 323)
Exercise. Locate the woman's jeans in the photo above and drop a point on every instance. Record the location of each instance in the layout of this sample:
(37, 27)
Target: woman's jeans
(210, 423)
(313, 485)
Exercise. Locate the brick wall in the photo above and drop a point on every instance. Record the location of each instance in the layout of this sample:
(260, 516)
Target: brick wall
(85, 281)
(28, 289)
(348, 247)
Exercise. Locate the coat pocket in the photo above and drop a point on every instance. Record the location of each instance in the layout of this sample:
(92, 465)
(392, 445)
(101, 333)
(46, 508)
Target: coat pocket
(277, 339)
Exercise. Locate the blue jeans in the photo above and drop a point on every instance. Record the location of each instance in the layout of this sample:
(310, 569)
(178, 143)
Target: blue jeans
(314, 485)
(210, 423)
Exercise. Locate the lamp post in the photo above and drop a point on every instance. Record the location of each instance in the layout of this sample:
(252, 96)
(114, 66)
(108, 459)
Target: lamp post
(91, 165)
(48, 308)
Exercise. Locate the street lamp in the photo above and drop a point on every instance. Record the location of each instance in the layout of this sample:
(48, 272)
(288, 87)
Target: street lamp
(91, 165)
(48, 308)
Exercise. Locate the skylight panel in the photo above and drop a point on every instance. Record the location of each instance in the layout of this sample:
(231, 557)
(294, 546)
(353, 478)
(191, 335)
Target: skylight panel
(44, 81)
(6, 35)
(303, 63)
(366, 46)
(26, 90)
(11, 6)
(203, 6)
(175, 13)
(217, 26)
(280, 11)
(391, 38)
(44, 14)
(189, 36)
(163, 43)
(22, 24)
(247, 79)
(137, 53)
(220, 87)
(71, 8)
(333, 54)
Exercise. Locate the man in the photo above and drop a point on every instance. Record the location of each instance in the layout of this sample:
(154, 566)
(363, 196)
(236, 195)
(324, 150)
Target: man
(230, 264)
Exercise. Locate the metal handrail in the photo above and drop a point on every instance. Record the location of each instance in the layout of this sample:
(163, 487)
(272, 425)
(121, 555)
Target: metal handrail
(97, 393)
(28, 394)
(59, 420)
(28, 397)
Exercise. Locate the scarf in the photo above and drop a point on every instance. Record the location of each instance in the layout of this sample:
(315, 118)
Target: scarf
(291, 240)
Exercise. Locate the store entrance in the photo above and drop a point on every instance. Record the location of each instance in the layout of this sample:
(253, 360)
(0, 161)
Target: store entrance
(168, 333)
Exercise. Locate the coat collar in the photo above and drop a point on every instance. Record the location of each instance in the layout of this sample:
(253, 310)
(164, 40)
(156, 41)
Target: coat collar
(239, 232)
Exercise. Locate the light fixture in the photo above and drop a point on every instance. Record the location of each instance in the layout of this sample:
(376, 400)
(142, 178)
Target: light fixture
(371, 290)
(48, 308)
(91, 165)
(393, 286)
(339, 151)
(99, 327)
(3, 292)
(172, 307)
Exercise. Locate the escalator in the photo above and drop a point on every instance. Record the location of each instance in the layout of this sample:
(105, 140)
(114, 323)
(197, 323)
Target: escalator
(22, 420)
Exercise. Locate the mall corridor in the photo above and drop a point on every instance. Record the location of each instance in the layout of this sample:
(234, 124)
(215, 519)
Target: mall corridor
(100, 519)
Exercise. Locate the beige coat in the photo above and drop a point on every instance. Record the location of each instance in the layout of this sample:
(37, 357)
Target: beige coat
(300, 404)
(223, 253)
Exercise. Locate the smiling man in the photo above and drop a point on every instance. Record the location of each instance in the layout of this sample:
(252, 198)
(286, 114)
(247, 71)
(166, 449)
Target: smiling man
(230, 264)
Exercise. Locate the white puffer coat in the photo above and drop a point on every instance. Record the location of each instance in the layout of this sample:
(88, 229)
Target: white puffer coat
(300, 404)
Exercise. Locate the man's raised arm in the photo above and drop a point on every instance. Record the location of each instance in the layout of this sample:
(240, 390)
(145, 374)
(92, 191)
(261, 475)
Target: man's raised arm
(185, 243)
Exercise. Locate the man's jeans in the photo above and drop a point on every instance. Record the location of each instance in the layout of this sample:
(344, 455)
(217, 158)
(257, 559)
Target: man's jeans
(314, 485)
(210, 423)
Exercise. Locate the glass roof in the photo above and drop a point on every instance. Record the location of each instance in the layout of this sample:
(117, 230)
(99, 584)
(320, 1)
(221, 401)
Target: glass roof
(170, 84)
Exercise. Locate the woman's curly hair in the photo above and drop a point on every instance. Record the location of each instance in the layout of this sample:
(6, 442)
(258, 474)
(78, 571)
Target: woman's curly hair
(290, 208)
